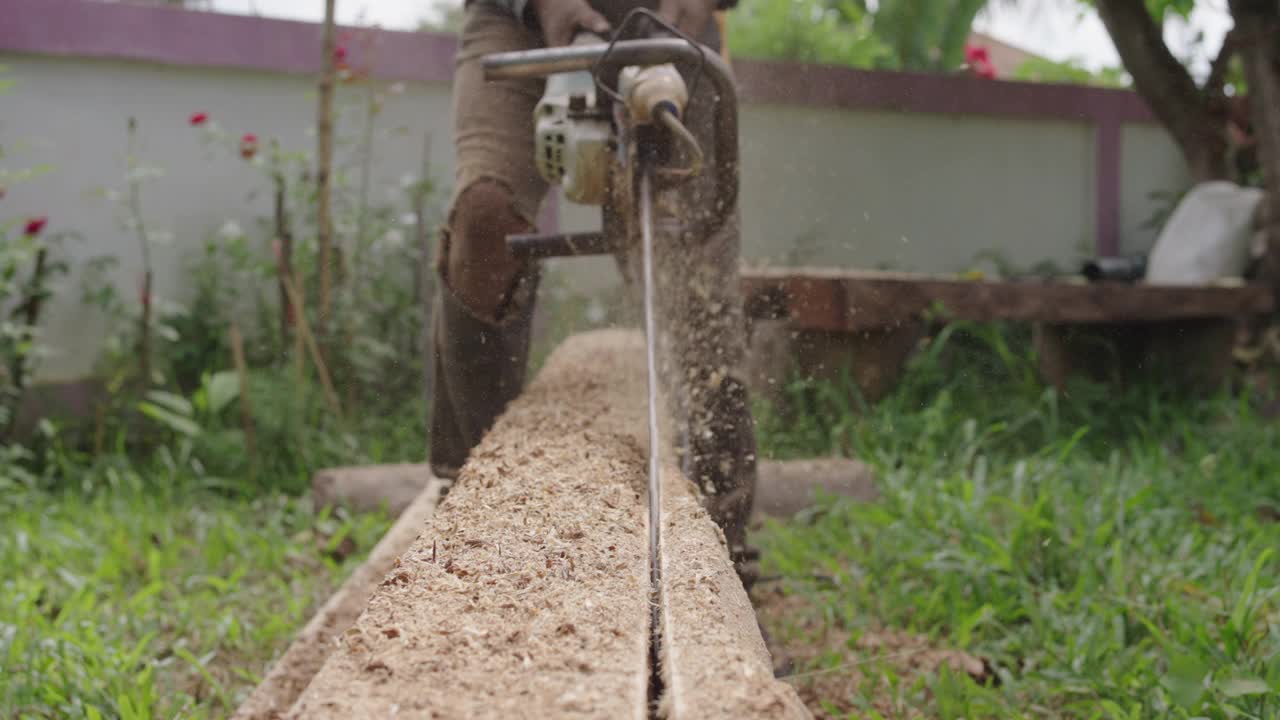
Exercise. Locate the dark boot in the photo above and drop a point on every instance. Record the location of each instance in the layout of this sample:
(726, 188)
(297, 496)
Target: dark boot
(479, 369)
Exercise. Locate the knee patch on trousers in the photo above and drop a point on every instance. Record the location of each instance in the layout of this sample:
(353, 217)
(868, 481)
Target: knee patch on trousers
(483, 214)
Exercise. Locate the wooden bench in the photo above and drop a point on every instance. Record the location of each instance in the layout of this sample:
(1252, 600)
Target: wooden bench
(819, 321)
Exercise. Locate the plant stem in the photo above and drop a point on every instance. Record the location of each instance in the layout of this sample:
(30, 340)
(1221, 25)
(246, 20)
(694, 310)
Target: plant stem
(28, 314)
(140, 226)
(366, 170)
(285, 236)
(324, 165)
(423, 283)
(246, 410)
(304, 332)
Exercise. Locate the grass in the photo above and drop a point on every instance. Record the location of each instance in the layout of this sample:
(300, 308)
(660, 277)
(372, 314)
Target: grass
(158, 599)
(1107, 554)
(1104, 554)
(160, 581)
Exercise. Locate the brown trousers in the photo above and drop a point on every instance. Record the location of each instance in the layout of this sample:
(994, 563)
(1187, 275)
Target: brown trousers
(702, 341)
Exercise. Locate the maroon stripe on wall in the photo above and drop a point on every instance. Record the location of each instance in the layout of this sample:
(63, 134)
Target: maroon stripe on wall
(92, 28)
(826, 86)
(1107, 187)
(85, 28)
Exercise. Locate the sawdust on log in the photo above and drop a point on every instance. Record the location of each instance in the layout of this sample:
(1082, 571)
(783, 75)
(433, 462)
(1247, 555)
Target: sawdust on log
(527, 593)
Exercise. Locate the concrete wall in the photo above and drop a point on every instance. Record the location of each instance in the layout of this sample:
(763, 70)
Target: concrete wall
(839, 168)
(73, 115)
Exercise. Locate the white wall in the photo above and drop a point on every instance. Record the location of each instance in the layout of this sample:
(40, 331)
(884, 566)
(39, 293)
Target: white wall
(862, 189)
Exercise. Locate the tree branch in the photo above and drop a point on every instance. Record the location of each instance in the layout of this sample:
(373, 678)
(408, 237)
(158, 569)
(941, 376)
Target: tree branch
(1217, 79)
(1166, 86)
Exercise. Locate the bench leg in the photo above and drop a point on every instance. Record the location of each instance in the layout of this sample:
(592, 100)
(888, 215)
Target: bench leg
(1195, 354)
(873, 359)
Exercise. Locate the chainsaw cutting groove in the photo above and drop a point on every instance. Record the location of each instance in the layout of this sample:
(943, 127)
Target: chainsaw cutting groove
(656, 681)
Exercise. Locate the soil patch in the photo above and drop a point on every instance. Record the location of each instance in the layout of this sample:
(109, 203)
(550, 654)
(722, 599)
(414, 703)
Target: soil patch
(857, 678)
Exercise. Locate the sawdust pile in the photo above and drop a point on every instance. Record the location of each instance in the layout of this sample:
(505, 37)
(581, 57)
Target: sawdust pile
(526, 596)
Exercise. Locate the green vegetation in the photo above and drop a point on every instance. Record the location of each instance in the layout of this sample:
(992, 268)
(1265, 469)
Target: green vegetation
(158, 599)
(149, 587)
(1069, 72)
(1107, 554)
(156, 556)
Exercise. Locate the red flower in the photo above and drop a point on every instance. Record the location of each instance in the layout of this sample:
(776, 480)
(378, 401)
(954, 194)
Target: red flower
(976, 55)
(340, 54)
(34, 226)
(248, 146)
(198, 119)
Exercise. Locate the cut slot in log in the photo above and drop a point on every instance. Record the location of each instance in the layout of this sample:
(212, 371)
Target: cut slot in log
(526, 595)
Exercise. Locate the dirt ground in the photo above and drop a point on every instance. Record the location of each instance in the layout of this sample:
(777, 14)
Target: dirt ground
(800, 634)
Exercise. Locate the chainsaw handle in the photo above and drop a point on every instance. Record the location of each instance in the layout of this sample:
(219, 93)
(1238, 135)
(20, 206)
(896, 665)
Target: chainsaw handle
(586, 37)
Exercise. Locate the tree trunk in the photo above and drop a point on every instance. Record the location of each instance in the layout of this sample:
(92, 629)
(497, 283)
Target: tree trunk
(1197, 125)
(1258, 23)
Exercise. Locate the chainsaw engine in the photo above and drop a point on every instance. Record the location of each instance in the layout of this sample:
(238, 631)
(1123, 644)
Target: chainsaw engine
(573, 131)
(572, 137)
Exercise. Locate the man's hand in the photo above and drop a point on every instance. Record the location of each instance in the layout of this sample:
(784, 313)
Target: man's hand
(562, 19)
(688, 16)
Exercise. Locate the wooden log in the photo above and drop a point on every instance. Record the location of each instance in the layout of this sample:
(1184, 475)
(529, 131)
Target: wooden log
(371, 487)
(871, 359)
(846, 301)
(527, 595)
(308, 652)
(784, 487)
(788, 487)
(715, 664)
(1193, 355)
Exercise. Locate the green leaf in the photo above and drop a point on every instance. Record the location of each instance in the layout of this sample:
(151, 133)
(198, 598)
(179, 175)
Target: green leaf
(171, 420)
(964, 631)
(1241, 610)
(1185, 680)
(176, 403)
(1239, 687)
(220, 389)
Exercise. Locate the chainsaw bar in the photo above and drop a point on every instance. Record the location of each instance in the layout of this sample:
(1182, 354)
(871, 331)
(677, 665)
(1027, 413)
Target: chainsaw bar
(651, 367)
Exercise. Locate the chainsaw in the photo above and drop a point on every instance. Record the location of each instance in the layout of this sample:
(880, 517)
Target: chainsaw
(643, 125)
